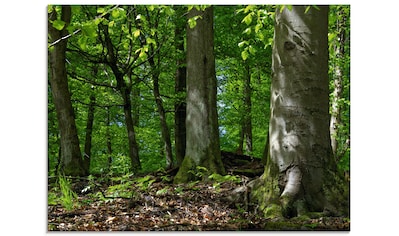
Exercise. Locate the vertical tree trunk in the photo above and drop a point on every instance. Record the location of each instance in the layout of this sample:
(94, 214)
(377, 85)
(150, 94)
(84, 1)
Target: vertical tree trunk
(108, 137)
(335, 122)
(71, 157)
(89, 131)
(165, 133)
(300, 174)
(247, 126)
(202, 147)
(180, 88)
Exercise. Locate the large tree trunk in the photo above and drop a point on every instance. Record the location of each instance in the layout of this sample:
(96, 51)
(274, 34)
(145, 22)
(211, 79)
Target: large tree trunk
(71, 157)
(180, 88)
(300, 174)
(202, 147)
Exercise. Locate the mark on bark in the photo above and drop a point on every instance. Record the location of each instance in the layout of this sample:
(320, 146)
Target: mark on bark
(289, 45)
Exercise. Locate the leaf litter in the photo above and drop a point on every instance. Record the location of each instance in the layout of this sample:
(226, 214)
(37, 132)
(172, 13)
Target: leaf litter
(162, 206)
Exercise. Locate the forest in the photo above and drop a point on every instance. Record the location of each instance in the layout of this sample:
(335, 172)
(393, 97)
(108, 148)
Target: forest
(199, 118)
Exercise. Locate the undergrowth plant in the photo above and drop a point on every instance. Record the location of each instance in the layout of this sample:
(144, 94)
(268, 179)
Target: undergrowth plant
(68, 198)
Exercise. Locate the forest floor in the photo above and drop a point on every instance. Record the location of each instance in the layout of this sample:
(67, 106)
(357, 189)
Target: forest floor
(153, 203)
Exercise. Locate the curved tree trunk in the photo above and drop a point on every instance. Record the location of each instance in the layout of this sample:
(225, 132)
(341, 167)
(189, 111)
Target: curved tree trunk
(300, 174)
(71, 157)
(202, 147)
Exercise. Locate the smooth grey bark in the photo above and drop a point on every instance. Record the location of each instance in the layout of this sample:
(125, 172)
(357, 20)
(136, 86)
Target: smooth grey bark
(299, 134)
(202, 146)
(301, 171)
(71, 157)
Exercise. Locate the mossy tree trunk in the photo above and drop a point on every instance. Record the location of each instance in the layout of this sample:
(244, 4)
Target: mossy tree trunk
(300, 174)
(71, 157)
(202, 146)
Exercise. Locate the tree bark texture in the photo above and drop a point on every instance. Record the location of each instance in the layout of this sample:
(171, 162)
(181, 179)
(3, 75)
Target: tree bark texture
(71, 156)
(300, 171)
(202, 146)
(338, 79)
(180, 87)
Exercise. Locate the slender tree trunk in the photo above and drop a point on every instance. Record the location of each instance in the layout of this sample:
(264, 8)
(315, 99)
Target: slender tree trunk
(180, 87)
(247, 126)
(300, 176)
(108, 137)
(71, 157)
(335, 122)
(165, 133)
(202, 147)
(89, 131)
(127, 107)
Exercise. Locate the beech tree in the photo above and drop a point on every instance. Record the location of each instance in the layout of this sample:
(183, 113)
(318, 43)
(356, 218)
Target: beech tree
(202, 146)
(71, 158)
(300, 174)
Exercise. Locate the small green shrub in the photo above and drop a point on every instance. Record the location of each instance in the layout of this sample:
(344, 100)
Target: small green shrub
(69, 199)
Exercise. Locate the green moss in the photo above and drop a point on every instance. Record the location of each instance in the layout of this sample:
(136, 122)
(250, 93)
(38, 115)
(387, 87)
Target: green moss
(184, 175)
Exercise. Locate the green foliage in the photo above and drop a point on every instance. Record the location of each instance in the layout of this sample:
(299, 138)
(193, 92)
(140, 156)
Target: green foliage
(145, 182)
(68, 198)
(243, 37)
(200, 172)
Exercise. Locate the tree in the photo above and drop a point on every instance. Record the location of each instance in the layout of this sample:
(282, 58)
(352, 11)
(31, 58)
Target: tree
(202, 146)
(125, 90)
(300, 173)
(180, 87)
(71, 157)
(339, 43)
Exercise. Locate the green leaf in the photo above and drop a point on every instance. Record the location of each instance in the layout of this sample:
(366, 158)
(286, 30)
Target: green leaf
(115, 13)
(252, 50)
(49, 8)
(58, 24)
(258, 27)
(247, 31)
(136, 33)
(248, 19)
(82, 41)
(242, 44)
(244, 55)
(192, 22)
(151, 41)
(89, 29)
(100, 10)
(307, 9)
